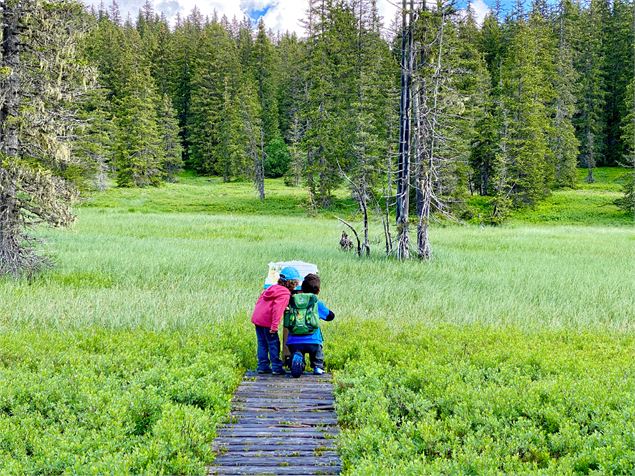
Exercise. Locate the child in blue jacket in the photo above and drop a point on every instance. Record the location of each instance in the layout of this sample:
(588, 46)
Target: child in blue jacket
(311, 344)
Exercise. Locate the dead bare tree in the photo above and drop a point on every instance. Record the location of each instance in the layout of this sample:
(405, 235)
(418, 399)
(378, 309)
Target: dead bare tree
(403, 161)
(427, 118)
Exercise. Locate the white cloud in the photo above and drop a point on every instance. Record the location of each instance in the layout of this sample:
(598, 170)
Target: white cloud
(480, 10)
(286, 15)
(281, 15)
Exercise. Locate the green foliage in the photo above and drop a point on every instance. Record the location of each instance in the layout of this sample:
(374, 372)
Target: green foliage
(216, 69)
(527, 94)
(276, 158)
(455, 400)
(627, 202)
(170, 140)
(96, 401)
(139, 151)
(587, 204)
(123, 359)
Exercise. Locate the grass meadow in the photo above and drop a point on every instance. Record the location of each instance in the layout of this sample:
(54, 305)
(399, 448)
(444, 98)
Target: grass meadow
(511, 352)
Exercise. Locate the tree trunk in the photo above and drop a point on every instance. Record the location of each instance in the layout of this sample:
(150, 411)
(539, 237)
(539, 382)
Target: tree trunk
(403, 167)
(590, 159)
(12, 254)
(260, 167)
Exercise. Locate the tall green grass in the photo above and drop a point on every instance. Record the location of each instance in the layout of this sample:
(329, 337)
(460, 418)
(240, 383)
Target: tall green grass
(177, 271)
(138, 335)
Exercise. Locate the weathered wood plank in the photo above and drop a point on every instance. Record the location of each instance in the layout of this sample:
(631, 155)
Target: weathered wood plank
(279, 426)
(274, 440)
(262, 434)
(230, 459)
(280, 471)
(276, 452)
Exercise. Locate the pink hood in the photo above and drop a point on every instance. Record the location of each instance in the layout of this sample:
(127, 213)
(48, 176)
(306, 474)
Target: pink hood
(270, 307)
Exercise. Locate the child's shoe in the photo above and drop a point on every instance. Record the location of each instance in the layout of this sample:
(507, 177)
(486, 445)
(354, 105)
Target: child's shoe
(318, 371)
(265, 371)
(297, 365)
(279, 372)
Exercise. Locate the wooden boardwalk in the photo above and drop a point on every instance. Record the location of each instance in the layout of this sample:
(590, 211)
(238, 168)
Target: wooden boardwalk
(281, 426)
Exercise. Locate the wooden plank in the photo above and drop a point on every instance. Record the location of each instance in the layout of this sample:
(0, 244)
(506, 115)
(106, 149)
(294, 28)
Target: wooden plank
(273, 452)
(325, 409)
(230, 459)
(287, 415)
(286, 400)
(279, 426)
(304, 432)
(273, 440)
(279, 471)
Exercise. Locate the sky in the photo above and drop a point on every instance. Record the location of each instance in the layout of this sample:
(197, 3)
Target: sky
(278, 15)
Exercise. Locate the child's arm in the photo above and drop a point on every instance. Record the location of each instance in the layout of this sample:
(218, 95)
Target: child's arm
(324, 312)
(278, 307)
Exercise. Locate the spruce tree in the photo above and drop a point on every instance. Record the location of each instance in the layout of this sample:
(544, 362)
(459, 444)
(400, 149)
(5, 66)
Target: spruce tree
(94, 144)
(527, 93)
(230, 150)
(217, 61)
(170, 139)
(590, 120)
(290, 89)
(264, 67)
(564, 143)
(485, 153)
(627, 202)
(619, 53)
(252, 132)
(139, 154)
(318, 110)
(38, 119)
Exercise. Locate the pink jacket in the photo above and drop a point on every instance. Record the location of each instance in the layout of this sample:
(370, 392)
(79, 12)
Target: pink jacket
(270, 307)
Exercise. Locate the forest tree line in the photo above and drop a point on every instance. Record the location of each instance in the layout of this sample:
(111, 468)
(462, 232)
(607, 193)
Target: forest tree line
(529, 96)
(429, 105)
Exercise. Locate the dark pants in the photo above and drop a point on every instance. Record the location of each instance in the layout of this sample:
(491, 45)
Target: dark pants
(268, 348)
(315, 351)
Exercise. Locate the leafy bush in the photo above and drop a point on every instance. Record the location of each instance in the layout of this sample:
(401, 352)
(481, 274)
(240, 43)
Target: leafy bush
(482, 401)
(277, 158)
(100, 402)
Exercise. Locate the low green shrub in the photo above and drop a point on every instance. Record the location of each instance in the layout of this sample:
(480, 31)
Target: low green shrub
(112, 402)
(486, 401)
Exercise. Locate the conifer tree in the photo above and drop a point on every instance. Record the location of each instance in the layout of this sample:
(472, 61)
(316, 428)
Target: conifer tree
(527, 93)
(94, 144)
(252, 126)
(619, 53)
(487, 140)
(564, 143)
(627, 202)
(139, 154)
(590, 120)
(217, 60)
(172, 150)
(318, 109)
(264, 67)
(37, 119)
(290, 90)
(184, 45)
(230, 150)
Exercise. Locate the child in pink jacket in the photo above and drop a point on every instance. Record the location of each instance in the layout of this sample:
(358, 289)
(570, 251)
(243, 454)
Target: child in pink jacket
(267, 316)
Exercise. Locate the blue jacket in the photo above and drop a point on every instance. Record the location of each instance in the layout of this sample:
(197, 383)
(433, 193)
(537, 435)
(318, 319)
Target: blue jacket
(316, 338)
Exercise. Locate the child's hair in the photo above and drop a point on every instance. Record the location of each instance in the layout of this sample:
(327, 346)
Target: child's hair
(290, 284)
(311, 284)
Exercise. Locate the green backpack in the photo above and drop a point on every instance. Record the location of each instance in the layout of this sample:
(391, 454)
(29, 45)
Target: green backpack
(301, 317)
